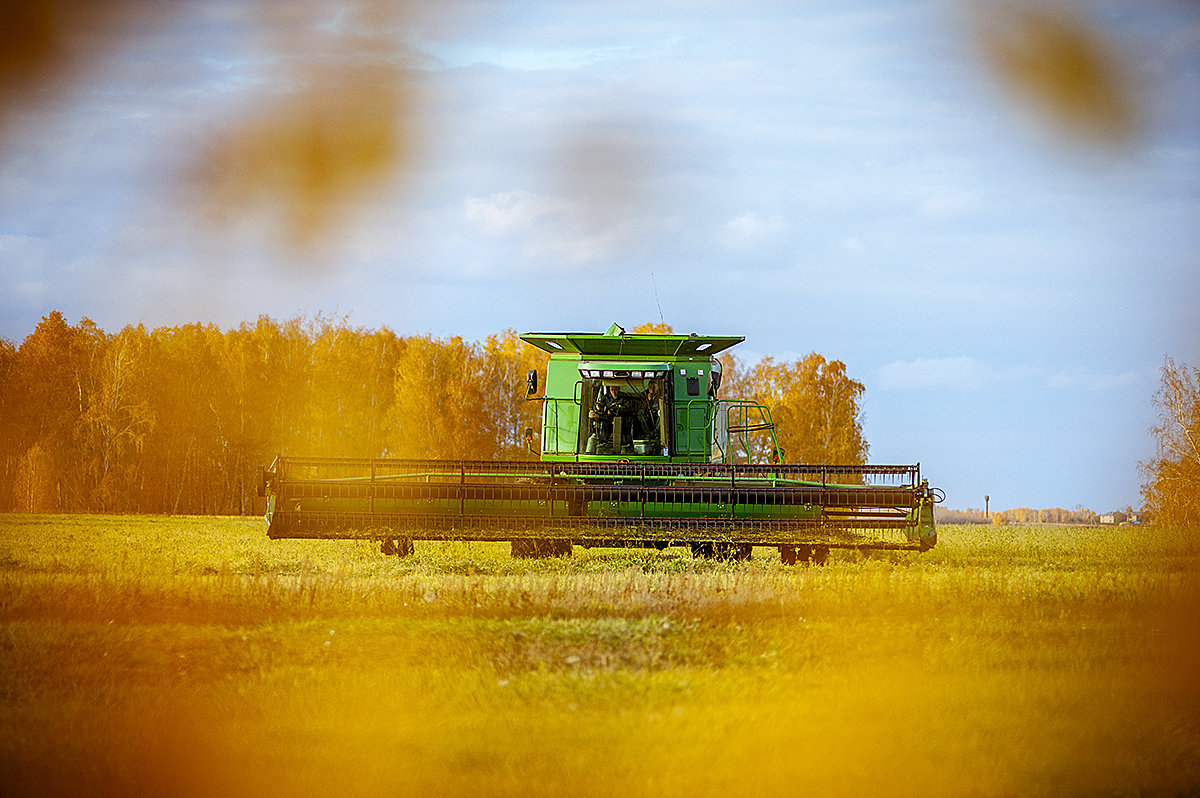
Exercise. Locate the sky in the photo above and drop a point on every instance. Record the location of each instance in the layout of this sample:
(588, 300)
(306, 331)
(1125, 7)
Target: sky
(865, 180)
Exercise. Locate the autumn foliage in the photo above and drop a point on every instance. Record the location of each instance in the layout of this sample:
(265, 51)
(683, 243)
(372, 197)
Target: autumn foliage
(1171, 484)
(813, 402)
(180, 419)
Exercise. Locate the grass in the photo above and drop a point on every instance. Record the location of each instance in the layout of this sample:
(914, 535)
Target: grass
(193, 656)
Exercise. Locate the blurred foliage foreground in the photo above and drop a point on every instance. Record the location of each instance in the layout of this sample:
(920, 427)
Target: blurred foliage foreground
(192, 656)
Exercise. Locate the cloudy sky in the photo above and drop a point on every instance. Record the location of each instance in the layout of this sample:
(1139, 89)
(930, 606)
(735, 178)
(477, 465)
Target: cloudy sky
(874, 181)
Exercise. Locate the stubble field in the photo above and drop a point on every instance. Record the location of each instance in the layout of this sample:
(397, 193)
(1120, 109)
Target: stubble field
(193, 656)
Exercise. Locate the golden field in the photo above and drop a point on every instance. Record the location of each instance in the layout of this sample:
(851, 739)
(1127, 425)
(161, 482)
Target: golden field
(176, 656)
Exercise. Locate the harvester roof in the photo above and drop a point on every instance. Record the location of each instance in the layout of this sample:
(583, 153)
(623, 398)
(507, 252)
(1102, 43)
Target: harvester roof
(618, 343)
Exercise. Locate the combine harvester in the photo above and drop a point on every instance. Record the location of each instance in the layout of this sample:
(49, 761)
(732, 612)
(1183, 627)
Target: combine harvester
(636, 451)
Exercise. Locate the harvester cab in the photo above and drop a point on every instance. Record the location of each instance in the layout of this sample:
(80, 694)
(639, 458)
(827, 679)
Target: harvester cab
(638, 398)
(637, 449)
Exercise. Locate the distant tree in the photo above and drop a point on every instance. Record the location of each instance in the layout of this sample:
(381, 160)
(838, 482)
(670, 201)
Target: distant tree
(11, 432)
(117, 421)
(813, 401)
(654, 328)
(506, 361)
(945, 515)
(53, 383)
(1171, 481)
(189, 466)
(1018, 515)
(436, 411)
(352, 388)
(457, 400)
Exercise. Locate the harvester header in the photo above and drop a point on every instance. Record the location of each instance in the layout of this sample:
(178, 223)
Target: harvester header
(637, 449)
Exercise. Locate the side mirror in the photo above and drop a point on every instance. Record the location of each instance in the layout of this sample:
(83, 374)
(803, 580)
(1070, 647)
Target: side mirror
(715, 384)
(531, 383)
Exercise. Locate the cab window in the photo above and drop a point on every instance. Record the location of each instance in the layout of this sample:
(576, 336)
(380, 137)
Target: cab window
(624, 416)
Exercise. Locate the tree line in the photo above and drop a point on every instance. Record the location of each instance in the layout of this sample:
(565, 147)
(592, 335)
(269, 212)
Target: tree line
(179, 419)
(1018, 515)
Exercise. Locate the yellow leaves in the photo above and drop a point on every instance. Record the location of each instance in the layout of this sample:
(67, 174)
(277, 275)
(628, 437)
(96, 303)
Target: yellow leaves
(29, 39)
(42, 41)
(300, 162)
(318, 142)
(813, 402)
(1068, 72)
(457, 400)
(304, 160)
(1171, 484)
(338, 129)
(46, 45)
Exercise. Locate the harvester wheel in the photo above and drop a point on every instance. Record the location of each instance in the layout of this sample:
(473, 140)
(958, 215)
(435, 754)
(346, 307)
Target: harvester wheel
(809, 555)
(541, 547)
(401, 547)
(738, 552)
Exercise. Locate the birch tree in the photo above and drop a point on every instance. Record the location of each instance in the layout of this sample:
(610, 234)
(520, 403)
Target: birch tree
(1171, 483)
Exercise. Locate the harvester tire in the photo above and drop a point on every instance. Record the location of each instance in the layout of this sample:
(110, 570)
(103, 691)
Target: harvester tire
(401, 547)
(808, 555)
(738, 552)
(540, 547)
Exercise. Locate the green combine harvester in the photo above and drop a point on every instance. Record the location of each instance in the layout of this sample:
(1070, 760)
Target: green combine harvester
(637, 450)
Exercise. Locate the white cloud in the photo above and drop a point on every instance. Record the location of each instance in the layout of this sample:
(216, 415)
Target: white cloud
(947, 204)
(1080, 377)
(561, 229)
(750, 229)
(970, 374)
(852, 245)
(509, 211)
(530, 59)
(927, 374)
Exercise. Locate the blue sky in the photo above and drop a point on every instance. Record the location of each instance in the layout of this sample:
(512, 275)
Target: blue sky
(848, 178)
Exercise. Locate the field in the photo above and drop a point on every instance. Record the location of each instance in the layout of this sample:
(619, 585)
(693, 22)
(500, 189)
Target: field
(192, 656)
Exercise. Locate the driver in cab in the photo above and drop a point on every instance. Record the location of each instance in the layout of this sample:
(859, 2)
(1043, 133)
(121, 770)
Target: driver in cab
(609, 404)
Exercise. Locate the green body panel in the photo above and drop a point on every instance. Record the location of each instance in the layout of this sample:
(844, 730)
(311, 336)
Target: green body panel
(560, 409)
(600, 509)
